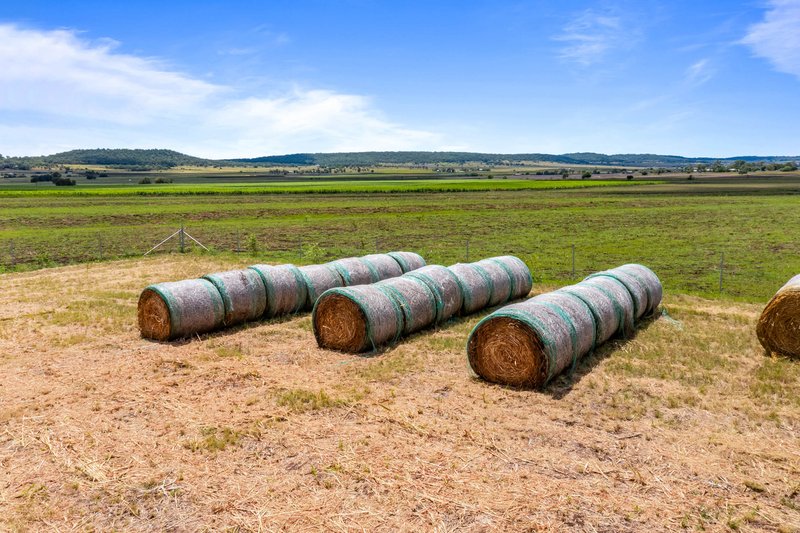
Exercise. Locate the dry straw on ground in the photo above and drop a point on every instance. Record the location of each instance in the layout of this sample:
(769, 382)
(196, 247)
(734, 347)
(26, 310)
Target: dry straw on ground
(778, 327)
(527, 344)
(685, 427)
(175, 309)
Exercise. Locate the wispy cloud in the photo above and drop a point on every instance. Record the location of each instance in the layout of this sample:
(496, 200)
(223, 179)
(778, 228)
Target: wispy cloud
(699, 72)
(777, 37)
(56, 82)
(590, 36)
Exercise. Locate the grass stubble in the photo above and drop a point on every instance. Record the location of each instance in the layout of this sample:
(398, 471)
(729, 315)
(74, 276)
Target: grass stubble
(687, 425)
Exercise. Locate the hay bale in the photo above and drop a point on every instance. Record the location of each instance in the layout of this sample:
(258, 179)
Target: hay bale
(636, 288)
(408, 261)
(648, 278)
(475, 284)
(521, 279)
(501, 281)
(176, 309)
(356, 319)
(385, 265)
(778, 328)
(415, 299)
(527, 344)
(243, 294)
(610, 303)
(286, 290)
(355, 271)
(318, 279)
(445, 287)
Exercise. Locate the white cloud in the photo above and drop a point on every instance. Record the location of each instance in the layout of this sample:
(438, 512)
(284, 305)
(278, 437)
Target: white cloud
(63, 91)
(699, 72)
(590, 36)
(777, 37)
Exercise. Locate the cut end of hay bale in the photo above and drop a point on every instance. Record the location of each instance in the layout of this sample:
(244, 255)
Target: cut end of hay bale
(154, 318)
(340, 324)
(778, 328)
(507, 351)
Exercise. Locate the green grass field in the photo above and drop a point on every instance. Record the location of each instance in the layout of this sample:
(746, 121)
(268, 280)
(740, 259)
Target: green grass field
(677, 227)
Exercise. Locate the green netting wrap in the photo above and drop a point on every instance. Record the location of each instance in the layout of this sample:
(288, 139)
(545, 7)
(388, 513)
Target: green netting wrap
(356, 319)
(445, 287)
(414, 298)
(521, 279)
(501, 280)
(475, 284)
(318, 279)
(385, 265)
(178, 309)
(355, 271)
(408, 261)
(637, 290)
(648, 278)
(243, 294)
(778, 327)
(285, 288)
(529, 343)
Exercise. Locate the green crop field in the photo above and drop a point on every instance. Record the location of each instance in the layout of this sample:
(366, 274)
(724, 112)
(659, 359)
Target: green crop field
(680, 228)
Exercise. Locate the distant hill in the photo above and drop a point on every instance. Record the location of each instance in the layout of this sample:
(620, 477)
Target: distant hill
(421, 158)
(118, 157)
(160, 158)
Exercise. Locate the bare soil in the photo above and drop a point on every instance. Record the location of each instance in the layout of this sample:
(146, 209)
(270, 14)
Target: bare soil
(688, 425)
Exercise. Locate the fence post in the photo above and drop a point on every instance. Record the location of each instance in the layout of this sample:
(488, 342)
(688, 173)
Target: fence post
(573, 261)
(181, 239)
(721, 269)
(100, 242)
(238, 241)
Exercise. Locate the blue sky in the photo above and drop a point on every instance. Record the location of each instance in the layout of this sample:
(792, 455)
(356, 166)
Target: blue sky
(244, 79)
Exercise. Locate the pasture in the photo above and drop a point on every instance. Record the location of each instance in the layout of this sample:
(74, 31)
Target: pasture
(682, 229)
(688, 425)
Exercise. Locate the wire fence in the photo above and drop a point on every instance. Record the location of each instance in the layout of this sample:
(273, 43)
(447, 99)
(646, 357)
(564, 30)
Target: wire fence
(710, 271)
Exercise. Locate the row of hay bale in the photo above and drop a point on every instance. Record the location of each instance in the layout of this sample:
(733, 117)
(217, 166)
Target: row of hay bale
(778, 327)
(178, 309)
(529, 343)
(361, 318)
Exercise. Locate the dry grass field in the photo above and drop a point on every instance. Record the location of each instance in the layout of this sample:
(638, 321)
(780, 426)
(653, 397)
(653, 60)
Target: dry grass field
(687, 425)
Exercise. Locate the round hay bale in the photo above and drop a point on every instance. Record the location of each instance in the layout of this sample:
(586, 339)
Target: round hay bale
(355, 271)
(648, 278)
(475, 284)
(177, 309)
(778, 328)
(408, 261)
(521, 279)
(385, 265)
(527, 344)
(318, 279)
(415, 299)
(445, 287)
(285, 288)
(356, 319)
(502, 280)
(610, 303)
(636, 288)
(243, 294)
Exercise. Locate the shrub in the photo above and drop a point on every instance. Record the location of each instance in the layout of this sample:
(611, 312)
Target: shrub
(145, 181)
(586, 175)
(163, 180)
